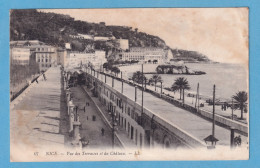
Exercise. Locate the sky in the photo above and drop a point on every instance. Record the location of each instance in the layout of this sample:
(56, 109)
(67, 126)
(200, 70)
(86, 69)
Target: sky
(219, 33)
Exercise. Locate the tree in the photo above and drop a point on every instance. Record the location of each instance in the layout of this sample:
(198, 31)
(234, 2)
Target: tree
(116, 70)
(241, 101)
(138, 77)
(155, 79)
(181, 84)
(105, 65)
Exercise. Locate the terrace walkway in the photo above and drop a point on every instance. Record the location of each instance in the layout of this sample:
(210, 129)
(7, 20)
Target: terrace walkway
(38, 119)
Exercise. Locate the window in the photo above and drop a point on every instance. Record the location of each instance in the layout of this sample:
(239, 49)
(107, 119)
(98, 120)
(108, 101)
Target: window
(128, 111)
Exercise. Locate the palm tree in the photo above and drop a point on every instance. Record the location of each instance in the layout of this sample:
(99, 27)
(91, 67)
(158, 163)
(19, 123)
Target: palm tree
(155, 79)
(241, 99)
(181, 84)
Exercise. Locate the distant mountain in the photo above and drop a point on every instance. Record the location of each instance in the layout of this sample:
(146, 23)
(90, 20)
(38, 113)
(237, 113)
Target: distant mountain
(189, 56)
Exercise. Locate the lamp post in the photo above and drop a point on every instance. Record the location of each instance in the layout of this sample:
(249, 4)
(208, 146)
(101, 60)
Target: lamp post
(211, 138)
(122, 90)
(232, 109)
(135, 93)
(112, 81)
(213, 114)
(143, 88)
(161, 88)
(114, 123)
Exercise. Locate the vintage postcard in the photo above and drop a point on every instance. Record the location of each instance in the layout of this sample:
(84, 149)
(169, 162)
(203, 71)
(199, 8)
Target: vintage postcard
(129, 84)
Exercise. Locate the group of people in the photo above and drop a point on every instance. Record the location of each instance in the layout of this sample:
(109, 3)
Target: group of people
(224, 106)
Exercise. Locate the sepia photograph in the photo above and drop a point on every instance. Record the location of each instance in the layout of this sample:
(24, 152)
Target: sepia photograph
(122, 84)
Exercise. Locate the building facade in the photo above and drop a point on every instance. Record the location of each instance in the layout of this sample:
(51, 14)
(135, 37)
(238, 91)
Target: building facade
(20, 55)
(127, 113)
(123, 44)
(46, 56)
(22, 52)
(76, 59)
(145, 55)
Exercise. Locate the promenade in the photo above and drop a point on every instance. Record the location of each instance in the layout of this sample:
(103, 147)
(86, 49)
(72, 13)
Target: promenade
(38, 119)
(189, 122)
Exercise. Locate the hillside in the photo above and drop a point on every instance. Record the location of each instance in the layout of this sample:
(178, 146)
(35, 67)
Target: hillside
(189, 56)
(56, 30)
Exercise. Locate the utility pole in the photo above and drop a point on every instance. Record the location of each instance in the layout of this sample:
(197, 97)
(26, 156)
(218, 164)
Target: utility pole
(213, 117)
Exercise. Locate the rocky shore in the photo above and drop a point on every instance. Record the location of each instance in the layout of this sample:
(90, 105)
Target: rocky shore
(177, 69)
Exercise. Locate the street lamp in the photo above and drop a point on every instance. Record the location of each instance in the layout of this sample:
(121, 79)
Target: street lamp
(114, 123)
(211, 138)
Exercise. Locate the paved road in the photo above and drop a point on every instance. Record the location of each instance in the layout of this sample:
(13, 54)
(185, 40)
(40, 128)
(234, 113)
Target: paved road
(91, 130)
(191, 123)
(40, 119)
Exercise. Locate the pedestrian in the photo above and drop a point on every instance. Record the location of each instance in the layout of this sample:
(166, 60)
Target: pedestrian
(84, 109)
(44, 77)
(102, 131)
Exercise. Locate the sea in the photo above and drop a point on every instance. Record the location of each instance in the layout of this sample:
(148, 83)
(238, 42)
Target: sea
(228, 78)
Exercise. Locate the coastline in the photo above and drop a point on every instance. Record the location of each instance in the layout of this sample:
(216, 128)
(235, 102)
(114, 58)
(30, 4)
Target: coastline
(204, 80)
